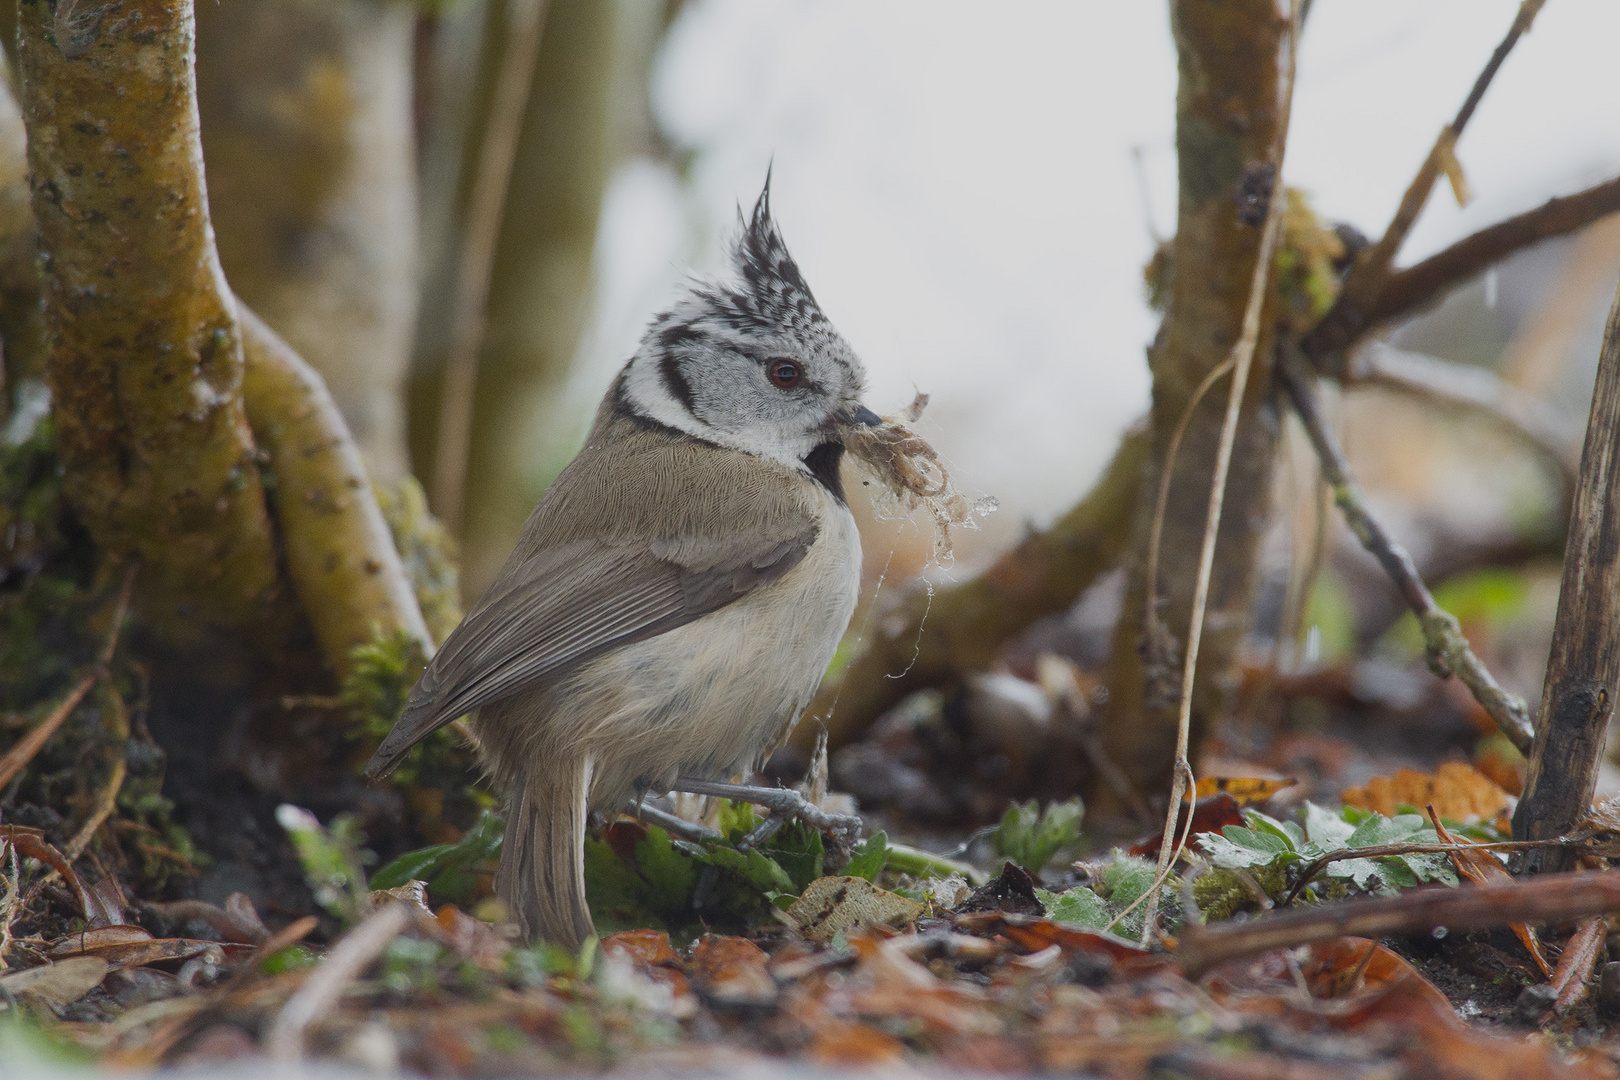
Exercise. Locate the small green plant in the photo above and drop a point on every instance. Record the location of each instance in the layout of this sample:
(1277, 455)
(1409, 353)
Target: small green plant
(1268, 849)
(1111, 901)
(1032, 838)
(333, 859)
(451, 871)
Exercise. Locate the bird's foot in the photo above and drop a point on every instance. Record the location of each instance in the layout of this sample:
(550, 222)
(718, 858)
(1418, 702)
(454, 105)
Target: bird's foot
(784, 804)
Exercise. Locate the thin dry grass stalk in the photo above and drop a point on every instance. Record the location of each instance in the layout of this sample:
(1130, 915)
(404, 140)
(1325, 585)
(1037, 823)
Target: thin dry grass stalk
(1242, 358)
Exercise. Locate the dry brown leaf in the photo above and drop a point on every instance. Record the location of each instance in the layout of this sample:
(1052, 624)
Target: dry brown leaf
(1458, 791)
(730, 971)
(832, 904)
(1246, 790)
(1577, 961)
(58, 984)
(648, 948)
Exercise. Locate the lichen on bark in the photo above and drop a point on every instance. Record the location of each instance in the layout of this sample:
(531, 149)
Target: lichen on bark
(1226, 117)
(143, 356)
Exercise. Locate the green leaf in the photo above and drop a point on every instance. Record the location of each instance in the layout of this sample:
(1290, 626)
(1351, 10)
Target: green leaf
(736, 820)
(1078, 905)
(1031, 838)
(870, 858)
(670, 873)
(798, 849)
(450, 870)
(1286, 831)
(1328, 830)
(752, 866)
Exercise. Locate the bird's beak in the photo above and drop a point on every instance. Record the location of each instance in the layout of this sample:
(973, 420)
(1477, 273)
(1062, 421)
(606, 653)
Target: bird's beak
(863, 416)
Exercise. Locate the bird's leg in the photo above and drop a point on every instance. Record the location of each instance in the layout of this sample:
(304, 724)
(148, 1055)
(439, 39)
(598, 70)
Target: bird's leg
(689, 830)
(783, 803)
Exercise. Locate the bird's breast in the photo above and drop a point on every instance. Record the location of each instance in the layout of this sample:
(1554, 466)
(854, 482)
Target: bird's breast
(710, 697)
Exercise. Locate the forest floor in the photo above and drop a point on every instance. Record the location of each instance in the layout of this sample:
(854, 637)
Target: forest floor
(1020, 954)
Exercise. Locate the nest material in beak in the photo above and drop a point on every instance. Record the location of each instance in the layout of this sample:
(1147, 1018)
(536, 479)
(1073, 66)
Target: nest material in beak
(911, 476)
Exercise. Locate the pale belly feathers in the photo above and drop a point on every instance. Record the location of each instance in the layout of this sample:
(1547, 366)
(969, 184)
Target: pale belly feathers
(710, 698)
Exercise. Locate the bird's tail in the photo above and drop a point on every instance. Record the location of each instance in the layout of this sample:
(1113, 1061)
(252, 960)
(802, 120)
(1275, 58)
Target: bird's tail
(541, 879)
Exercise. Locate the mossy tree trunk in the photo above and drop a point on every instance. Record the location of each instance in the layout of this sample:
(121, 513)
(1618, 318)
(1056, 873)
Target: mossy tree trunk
(162, 456)
(1226, 118)
(143, 354)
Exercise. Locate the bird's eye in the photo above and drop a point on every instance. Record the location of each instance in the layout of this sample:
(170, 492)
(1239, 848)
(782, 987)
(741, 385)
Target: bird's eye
(784, 373)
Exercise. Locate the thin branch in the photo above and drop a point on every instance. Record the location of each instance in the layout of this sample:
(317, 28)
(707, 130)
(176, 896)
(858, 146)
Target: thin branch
(1547, 430)
(1549, 899)
(525, 21)
(1308, 872)
(1448, 650)
(1242, 359)
(1404, 291)
(1348, 317)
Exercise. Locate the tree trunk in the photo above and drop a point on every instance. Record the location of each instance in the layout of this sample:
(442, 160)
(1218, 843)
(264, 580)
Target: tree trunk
(1226, 117)
(143, 353)
(307, 127)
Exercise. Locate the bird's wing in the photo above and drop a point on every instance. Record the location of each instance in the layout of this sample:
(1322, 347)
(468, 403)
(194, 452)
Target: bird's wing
(558, 606)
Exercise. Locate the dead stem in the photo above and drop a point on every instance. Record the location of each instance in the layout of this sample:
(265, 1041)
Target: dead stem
(1242, 358)
(1553, 898)
(1449, 652)
(1308, 872)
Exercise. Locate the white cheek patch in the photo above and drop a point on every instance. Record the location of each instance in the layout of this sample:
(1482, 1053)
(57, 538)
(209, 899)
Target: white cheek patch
(648, 395)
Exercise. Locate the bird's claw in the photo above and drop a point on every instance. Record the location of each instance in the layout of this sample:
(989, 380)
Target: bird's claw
(785, 804)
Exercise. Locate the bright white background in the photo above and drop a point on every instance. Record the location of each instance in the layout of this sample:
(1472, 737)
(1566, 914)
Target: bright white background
(957, 181)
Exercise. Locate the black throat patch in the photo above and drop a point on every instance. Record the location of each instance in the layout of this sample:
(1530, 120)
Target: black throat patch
(823, 465)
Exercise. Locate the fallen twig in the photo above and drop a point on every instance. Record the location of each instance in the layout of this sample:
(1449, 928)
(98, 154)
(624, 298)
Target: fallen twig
(1549, 899)
(1348, 317)
(1580, 956)
(1448, 650)
(342, 964)
(18, 757)
(1308, 871)
(1242, 359)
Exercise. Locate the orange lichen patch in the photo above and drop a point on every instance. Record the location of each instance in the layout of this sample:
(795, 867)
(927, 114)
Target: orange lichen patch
(1458, 792)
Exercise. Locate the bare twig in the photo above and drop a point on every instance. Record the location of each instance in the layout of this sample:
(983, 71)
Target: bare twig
(1308, 872)
(325, 985)
(1348, 317)
(1403, 291)
(1544, 428)
(1551, 899)
(18, 757)
(1242, 358)
(525, 20)
(1448, 651)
